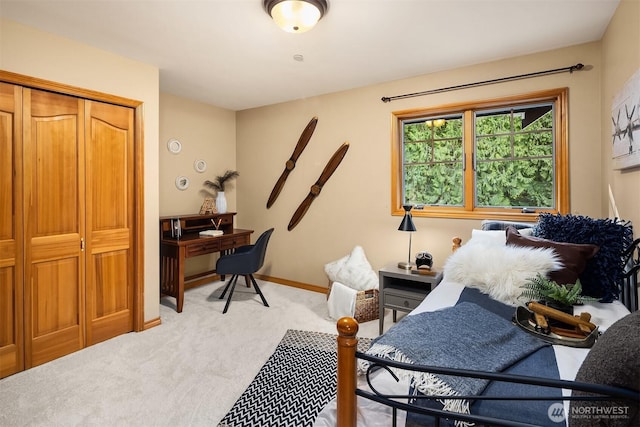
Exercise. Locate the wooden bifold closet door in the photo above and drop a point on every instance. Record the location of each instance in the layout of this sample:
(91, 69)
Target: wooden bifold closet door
(77, 201)
(11, 236)
(109, 153)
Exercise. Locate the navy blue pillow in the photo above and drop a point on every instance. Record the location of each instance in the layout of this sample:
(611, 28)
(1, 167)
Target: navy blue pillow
(602, 272)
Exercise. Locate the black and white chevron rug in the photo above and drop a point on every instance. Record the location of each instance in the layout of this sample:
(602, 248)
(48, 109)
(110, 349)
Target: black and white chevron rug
(293, 386)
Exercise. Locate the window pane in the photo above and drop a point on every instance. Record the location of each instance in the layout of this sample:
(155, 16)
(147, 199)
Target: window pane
(519, 183)
(493, 123)
(436, 184)
(493, 147)
(432, 161)
(514, 157)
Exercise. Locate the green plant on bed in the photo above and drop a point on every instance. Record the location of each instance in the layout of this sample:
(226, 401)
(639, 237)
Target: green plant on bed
(541, 288)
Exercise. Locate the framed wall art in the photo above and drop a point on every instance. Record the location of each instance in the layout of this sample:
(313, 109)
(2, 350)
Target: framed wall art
(625, 118)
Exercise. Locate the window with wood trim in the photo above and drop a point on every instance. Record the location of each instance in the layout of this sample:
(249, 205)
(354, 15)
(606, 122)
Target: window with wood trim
(502, 158)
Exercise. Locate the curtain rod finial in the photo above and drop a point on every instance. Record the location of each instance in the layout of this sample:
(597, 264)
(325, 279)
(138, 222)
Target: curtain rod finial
(578, 66)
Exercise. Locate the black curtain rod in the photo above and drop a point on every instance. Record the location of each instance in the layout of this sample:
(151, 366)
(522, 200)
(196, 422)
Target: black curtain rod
(570, 69)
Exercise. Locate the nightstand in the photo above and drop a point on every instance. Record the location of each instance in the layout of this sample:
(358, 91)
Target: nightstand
(401, 290)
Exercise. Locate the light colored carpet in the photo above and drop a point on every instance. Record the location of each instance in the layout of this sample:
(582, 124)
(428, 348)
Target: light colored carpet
(188, 371)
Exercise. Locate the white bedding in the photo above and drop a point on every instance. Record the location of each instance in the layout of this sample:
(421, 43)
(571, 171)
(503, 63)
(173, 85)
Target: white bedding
(446, 294)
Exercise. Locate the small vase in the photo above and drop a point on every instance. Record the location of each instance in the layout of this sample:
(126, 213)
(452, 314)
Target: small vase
(221, 202)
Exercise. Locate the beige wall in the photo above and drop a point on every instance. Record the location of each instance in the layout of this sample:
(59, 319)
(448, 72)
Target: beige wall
(621, 57)
(354, 207)
(34, 53)
(207, 133)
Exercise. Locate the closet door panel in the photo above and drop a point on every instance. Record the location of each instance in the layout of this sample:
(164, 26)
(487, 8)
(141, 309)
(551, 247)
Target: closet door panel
(110, 185)
(54, 225)
(11, 242)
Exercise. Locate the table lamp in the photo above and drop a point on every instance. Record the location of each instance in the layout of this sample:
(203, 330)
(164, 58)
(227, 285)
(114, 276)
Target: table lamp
(407, 225)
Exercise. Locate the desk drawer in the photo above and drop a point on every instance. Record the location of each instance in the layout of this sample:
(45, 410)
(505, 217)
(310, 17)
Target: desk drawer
(206, 246)
(402, 302)
(233, 242)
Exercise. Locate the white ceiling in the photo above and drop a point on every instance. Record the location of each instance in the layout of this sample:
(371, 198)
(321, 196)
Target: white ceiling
(230, 54)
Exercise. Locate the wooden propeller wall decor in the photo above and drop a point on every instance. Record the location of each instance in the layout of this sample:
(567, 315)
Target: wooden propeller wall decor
(328, 170)
(291, 163)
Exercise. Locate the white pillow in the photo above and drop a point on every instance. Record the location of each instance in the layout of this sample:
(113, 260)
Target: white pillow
(499, 270)
(498, 237)
(353, 271)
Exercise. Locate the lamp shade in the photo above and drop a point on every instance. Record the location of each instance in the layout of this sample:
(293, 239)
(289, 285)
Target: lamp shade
(295, 16)
(407, 225)
(407, 222)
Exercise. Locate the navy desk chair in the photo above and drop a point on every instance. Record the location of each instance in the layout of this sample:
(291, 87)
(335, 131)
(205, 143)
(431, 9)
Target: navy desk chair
(245, 261)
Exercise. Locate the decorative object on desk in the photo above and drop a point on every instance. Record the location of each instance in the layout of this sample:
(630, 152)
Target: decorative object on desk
(200, 165)
(208, 206)
(291, 163)
(219, 185)
(217, 223)
(211, 233)
(220, 182)
(328, 170)
(176, 228)
(407, 225)
(221, 202)
(182, 183)
(174, 146)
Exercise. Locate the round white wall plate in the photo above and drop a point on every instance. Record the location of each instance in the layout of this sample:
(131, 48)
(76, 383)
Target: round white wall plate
(200, 165)
(182, 183)
(174, 146)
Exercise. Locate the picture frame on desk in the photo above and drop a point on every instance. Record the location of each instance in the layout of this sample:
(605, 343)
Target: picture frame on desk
(208, 206)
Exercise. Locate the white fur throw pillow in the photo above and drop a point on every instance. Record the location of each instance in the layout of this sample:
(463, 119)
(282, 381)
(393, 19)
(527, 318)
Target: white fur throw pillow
(353, 270)
(499, 270)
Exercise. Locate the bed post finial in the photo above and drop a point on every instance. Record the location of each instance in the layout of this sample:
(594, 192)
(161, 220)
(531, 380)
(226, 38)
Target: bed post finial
(346, 396)
(457, 242)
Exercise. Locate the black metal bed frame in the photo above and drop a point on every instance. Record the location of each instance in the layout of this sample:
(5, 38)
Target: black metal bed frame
(601, 393)
(629, 280)
(628, 284)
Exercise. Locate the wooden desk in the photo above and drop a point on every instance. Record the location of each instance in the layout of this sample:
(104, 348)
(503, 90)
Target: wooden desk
(173, 250)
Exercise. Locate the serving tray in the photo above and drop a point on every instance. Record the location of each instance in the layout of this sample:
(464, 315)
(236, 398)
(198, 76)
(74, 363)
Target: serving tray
(524, 319)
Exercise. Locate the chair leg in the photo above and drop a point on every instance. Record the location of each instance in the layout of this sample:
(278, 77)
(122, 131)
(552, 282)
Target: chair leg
(255, 285)
(226, 288)
(233, 285)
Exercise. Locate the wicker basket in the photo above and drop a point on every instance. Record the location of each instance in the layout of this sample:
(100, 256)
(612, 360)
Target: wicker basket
(367, 305)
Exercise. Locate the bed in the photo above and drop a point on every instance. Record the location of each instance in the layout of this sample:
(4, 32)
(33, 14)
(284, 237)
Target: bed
(482, 369)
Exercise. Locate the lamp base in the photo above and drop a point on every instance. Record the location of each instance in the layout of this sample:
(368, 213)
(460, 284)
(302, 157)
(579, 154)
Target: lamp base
(406, 265)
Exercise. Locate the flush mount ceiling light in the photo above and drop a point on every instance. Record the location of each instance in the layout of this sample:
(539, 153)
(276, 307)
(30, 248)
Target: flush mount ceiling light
(295, 16)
